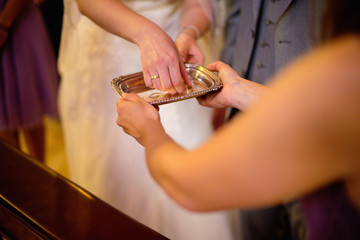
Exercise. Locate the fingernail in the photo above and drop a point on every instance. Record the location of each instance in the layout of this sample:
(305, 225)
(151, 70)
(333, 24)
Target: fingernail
(172, 91)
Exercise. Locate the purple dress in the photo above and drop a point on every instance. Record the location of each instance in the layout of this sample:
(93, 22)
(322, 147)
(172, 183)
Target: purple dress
(28, 74)
(329, 214)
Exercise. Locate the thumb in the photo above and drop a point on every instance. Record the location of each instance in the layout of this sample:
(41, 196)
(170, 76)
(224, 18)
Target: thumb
(183, 54)
(130, 96)
(182, 51)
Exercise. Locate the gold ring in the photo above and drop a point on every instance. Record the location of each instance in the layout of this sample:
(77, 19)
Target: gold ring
(154, 77)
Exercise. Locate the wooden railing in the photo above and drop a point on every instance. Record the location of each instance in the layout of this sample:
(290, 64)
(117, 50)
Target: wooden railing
(38, 203)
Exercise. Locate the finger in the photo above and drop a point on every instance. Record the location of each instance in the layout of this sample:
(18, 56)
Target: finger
(195, 56)
(150, 75)
(183, 53)
(185, 76)
(125, 96)
(212, 66)
(147, 79)
(182, 48)
(131, 97)
(155, 79)
(177, 82)
(157, 83)
(126, 130)
(118, 121)
(198, 59)
(217, 66)
(167, 79)
(120, 104)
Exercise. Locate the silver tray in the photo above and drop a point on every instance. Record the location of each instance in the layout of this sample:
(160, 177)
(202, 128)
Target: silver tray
(204, 81)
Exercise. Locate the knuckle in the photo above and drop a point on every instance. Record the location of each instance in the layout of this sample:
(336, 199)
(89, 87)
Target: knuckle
(172, 58)
(158, 60)
(179, 87)
(166, 84)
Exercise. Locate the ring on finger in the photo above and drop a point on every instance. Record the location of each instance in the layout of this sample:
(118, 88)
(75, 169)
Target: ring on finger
(154, 77)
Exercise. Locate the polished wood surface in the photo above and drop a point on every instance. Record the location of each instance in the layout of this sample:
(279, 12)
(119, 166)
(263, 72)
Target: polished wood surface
(38, 203)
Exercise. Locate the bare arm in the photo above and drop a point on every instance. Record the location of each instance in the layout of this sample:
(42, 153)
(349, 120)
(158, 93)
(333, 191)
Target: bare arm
(159, 54)
(194, 14)
(117, 18)
(194, 23)
(301, 135)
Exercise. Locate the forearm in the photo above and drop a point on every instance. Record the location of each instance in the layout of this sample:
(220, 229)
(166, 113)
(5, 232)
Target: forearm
(11, 11)
(117, 18)
(163, 157)
(245, 93)
(300, 136)
(154, 136)
(194, 15)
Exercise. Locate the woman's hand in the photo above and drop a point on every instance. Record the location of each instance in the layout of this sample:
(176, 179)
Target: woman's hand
(163, 67)
(135, 116)
(188, 48)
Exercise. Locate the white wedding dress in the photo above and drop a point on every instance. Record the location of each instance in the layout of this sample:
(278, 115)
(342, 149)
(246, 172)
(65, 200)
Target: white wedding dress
(101, 157)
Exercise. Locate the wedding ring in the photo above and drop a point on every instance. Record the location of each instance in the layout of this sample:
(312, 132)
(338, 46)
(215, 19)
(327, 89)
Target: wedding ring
(154, 77)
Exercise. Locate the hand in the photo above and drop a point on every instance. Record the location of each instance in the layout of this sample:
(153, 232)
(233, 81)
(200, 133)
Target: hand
(135, 115)
(222, 98)
(188, 48)
(159, 56)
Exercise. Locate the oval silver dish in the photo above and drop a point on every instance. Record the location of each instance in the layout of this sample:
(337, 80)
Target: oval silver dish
(203, 79)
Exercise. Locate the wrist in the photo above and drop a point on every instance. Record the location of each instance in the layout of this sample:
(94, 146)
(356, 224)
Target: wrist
(235, 96)
(147, 32)
(153, 132)
(192, 31)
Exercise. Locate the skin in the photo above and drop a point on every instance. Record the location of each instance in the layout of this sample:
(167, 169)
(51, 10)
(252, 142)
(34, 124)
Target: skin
(238, 92)
(193, 14)
(297, 136)
(159, 53)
